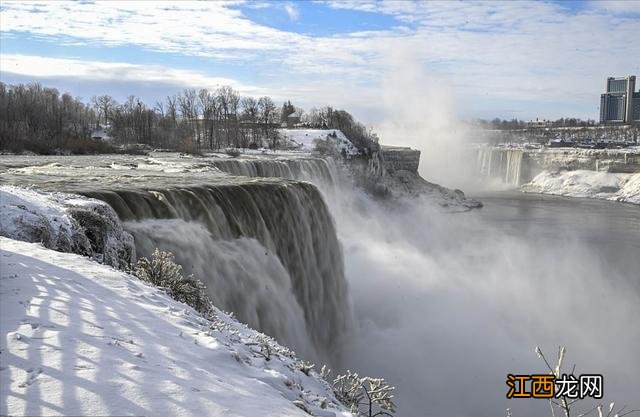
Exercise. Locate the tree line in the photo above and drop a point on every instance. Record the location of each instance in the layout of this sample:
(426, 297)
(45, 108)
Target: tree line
(40, 119)
(515, 124)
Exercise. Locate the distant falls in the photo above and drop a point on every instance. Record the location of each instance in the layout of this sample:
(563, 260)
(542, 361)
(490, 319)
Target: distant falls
(505, 165)
(266, 249)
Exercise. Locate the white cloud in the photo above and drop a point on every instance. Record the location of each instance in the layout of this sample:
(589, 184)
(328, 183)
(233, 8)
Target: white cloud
(209, 29)
(617, 6)
(113, 73)
(44, 67)
(292, 11)
(514, 52)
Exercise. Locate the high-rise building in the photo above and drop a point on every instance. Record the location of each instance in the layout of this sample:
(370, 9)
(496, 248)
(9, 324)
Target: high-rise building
(620, 103)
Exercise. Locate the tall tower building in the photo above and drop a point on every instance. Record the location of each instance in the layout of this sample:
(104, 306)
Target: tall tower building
(618, 103)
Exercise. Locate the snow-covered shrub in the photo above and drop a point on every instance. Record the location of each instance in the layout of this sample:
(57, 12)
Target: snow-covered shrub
(264, 351)
(365, 396)
(305, 367)
(162, 271)
(159, 270)
(325, 371)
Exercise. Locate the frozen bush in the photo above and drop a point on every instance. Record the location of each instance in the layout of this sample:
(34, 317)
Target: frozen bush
(365, 396)
(162, 271)
(305, 367)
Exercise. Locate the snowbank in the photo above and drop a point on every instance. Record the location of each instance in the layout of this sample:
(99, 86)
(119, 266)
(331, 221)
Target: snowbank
(80, 338)
(306, 139)
(591, 184)
(65, 222)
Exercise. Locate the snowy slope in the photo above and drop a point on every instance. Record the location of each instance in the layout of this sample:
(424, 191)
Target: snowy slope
(80, 338)
(590, 184)
(306, 138)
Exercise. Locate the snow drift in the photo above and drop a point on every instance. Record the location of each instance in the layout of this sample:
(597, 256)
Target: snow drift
(588, 184)
(81, 338)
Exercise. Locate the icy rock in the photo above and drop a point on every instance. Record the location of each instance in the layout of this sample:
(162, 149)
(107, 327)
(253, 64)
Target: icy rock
(66, 223)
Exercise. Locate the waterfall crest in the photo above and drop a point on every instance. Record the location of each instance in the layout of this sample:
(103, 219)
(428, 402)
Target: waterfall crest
(267, 250)
(316, 170)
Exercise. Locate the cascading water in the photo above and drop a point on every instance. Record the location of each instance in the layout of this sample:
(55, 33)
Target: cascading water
(241, 275)
(266, 249)
(317, 170)
(503, 164)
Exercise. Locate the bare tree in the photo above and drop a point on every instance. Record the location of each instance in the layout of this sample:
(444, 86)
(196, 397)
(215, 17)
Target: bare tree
(208, 105)
(229, 101)
(104, 105)
(268, 117)
(190, 110)
(250, 112)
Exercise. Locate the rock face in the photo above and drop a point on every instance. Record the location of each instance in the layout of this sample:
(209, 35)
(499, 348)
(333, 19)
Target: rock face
(391, 172)
(607, 160)
(397, 158)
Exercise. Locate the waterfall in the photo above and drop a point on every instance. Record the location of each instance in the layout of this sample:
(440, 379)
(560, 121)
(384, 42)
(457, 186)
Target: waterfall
(500, 163)
(266, 249)
(513, 166)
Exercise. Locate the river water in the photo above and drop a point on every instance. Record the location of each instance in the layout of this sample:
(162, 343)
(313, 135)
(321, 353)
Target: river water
(610, 230)
(449, 304)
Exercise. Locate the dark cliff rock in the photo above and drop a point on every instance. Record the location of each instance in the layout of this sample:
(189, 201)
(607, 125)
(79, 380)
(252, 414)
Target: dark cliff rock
(398, 158)
(392, 173)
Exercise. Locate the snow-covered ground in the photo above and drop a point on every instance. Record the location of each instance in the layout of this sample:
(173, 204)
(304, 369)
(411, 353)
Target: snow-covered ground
(306, 139)
(591, 184)
(80, 338)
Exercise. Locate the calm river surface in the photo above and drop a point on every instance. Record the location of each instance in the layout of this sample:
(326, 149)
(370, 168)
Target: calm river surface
(610, 230)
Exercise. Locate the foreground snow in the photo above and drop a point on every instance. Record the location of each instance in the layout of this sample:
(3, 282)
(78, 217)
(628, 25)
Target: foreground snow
(80, 338)
(590, 184)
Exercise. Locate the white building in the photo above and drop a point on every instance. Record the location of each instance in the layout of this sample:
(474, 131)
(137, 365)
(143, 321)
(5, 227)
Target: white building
(101, 133)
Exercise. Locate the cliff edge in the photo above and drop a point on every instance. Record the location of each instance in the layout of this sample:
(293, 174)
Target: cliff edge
(391, 172)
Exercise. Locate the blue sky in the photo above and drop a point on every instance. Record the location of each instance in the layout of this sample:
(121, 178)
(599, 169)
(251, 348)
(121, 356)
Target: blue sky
(480, 59)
